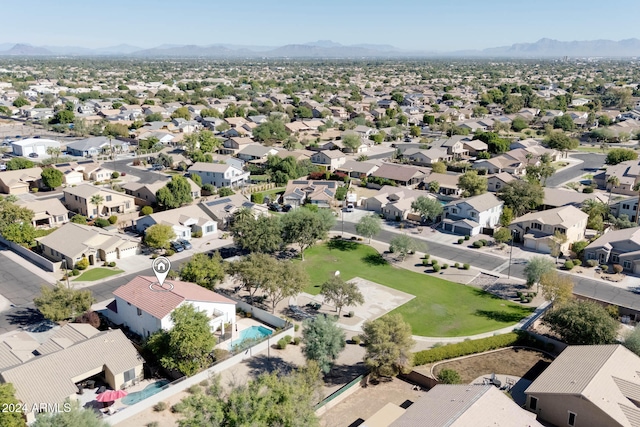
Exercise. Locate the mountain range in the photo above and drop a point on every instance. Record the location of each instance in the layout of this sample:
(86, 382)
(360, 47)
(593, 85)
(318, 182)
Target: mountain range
(543, 48)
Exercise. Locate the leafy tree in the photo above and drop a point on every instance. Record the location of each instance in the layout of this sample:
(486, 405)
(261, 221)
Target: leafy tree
(495, 143)
(188, 344)
(564, 122)
(97, 200)
(21, 233)
(159, 236)
(506, 217)
(256, 271)
(631, 341)
(429, 119)
(536, 268)
(438, 167)
(519, 124)
(472, 184)
(521, 196)
(305, 227)
(558, 240)
(415, 131)
(434, 187)
(181, 113)
(204, 270)
(63, 117)
(270, 131)
(225, 192)
(389, 342)
(582, 323)
(61, 303)
(323, 341)
(402, 245)
(79, 219)
(115, 130)
(20, 102)
(560, 141)
(204, 140)
(352, 142)
(19, 163)
(196, 178)
(427, 207)
(619, 155)
(8, 397)
(503, 235)
(176, 193)
(449, 376)
(556, 288)
(74, 417)
(262, 234)
(54, 152)
(12, 214)
(154, 117)
(292, 279)
(341, 293)
(369, 226)
(52, 177)
(623, 222)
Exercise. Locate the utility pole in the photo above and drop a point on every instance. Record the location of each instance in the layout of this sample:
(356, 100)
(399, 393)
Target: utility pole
(510, 254)
(66, 269)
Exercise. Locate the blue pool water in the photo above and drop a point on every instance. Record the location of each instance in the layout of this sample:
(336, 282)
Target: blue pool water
(254, 332)
(150, 390)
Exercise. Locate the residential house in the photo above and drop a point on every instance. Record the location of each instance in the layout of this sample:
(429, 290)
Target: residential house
(145, 193)
(220, 174)
(39, 146)
(223, 208)
(455, 146)
(620, 247)
(537, 229)
(329, 159)
(92, 146)
(420, 157)
(79, 199)
(402, 175)
(356, 169)
(461, 405)
(557, 197)
(70, 355)
(70, 176)
(46, 212)
(475, 146)
(73, 242)
(628, 174)
(185, 221)
(20, 181)
(399, 198)
(319, 193)
(497, 181)
(588, 385)
(499, 164)
(256, 153)
(448, 184)
(473, 215)
(627, 206)
(145, 307)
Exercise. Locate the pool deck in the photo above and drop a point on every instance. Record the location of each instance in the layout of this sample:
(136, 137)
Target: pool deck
(88, 398)
(242, 323)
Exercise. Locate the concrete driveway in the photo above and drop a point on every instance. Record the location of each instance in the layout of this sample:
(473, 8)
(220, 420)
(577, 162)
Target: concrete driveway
(589, 161)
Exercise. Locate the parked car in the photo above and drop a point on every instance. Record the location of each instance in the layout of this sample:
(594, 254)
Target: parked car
(157, 167)
(275, 207)
(349, 207)
(177, 247)
(33, 155)
(185, 244)
(287, 208)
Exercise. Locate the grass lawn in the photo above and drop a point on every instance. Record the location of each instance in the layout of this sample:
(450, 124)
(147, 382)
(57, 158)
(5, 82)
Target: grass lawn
(440, 308)
(588, 149)
(273, 191)
(96, 274)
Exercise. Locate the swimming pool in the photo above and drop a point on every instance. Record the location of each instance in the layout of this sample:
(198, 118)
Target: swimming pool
(150, 390)
(251, 333)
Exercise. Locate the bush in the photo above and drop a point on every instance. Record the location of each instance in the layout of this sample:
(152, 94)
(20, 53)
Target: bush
(113, 219)
(467, 347)
(577, 262)
(568, 264)
(434, 262)
(196, 234)
(466, 266)
(221, 354)
(34, 189)
(160, 406)
(592, 262)
(112, 264)
(169, 252)
(478, 244)
(449, 376)
(617, 268)
(101, 222)
(460, 241)
(467, 237)
(436, 268)
(153, 424)
(282, 343)
(146, 210)
(296, 341)
(257, 198)
(445, 266)
(75, 272)
(484, 242)
(456, 265)
(426, 262)
(194, 389)
(350, 314)
(604, 267)
(426, 256)
(296, 327)
(587, 190)
(82, 264)
(115, 175)
(356, 339)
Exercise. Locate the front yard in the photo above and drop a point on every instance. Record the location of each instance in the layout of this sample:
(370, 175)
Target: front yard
(97, 274)
(440, 308)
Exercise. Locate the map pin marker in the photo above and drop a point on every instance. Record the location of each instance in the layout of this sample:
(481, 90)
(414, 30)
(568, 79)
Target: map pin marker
(161, 267)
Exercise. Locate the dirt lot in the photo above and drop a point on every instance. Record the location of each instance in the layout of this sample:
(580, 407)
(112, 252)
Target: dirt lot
(522, 363)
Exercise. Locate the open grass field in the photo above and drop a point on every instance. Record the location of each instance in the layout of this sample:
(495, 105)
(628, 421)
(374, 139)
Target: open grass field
(97, 274)
(440, 308)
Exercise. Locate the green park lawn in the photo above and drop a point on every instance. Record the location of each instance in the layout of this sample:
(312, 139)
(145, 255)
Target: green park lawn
(97, 274)
(440, 308)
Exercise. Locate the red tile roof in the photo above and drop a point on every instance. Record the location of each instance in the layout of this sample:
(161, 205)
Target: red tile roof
(161, 303)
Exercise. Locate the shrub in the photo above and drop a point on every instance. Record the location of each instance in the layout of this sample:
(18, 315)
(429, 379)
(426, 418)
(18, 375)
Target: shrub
(82, 264)
(350, 314)
(425, 262)
(436, 268)
(456, 265)
(257, 198)
(577, 262)
(460, 241)
(113, 219)
(160, 406)
(449, 376)
(478, 244)
(484, 242)
(194, 389)
(282, 343)
(153, 424)
(196, 234)
(204, 383)
(296, 341)
(426, 256)
(445, 266)
(75, 272)
(221, 354)
(115, 175)
(592, 262)
(617, 268)
(356, 339)
(604, 267)
(169, 252)
(587, 190)
(466, 266)
(568, 264)
(467, 347)
(112, 264)
(434, 262)
(34, 189)
(146, 210)
(467, 237)
(296, 327)
(101, 222)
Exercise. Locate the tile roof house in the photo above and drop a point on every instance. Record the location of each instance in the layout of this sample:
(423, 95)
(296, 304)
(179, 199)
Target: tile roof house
(595, 385)
(472, 215)
(145, 307)
(499, 180)
(20, 181)
(72, 242)
(223, 208)
(407, 176)
(78, 199)
(330, 159)
(93, 146)
(46, 212)
(459, 405)
(256, 153)
(220, 174)
(448, 184)
(357, 169)
(421, 157)
(393, 201)
(617, 247)
(319, 193)
(184, 221)
(71, 355)
(557, 197)
(628, 174)
(536, 229)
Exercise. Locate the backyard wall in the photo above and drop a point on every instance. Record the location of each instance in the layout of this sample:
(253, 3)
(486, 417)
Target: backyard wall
(262, 315)
(342, 393)
(32, 257)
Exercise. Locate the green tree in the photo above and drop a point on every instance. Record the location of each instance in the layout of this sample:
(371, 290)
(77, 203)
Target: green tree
(496, 144)
(79, 219)
(74, 417)
(54, 152)
(564, 122)
(341, 293)
(256, 271)
(427, 207)
(21, 233)
(506, 217)
(20, 102)
(63, 117)
(582, 323)
(438, 167)
(12, 214)
(536, 268)
(225, 192)
(472, 184)
(503, 235)
(159, 236)
(560, 141)
(434, 187)
(449, 376)
(97, 200)
(181, 113)
(292, 279)
(415, 131)
(631, 341)
(19, 163)
(403, 245)
(197, 179)
(154, 117)
(207, 271)
(270, 131)
(323, 341)
(115, 130)
(8, 397)
(619, 155)
(262, 234)
(146, 210)
(305, 227)
(556, 288)
(519, 124)
(389, 342)
(352, 142)
(61, 303)
(369, 226)
(187, 346)
(52, 177)
(521, 196)
(176, 193)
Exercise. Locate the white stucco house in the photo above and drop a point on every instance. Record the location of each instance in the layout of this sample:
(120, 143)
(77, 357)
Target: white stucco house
(473, 215)
(145, 307)
(184, 221)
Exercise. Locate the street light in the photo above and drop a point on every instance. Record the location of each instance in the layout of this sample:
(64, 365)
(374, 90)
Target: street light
(66, 269)
(510, 254)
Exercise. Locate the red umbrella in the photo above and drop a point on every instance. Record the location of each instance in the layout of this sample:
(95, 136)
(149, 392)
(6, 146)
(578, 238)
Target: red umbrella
(111, 395)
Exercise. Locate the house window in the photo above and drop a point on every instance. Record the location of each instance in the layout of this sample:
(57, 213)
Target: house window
(95, 211)
(627, 265)
(129, 375)
(473, 214)
(454, 210)
(536, 226)
(498, 186)
(572, 419)
(60, 218)
(209, 229)
(591, 255)
(139, 311)
(615, 258)
(127, 205)
(533, 403)
(625, 206)
(108, 198)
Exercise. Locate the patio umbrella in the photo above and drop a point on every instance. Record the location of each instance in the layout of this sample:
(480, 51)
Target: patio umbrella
(111, 395)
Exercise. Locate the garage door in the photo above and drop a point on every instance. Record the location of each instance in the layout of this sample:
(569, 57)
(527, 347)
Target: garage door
(530, 243)
(41, 149)
(26, 150)
(448, 227)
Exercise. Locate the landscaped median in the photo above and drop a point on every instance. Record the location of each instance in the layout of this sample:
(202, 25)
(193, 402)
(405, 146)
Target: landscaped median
(440, 308)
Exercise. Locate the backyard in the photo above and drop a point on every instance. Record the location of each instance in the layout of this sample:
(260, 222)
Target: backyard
(97, 274)
(440, 308)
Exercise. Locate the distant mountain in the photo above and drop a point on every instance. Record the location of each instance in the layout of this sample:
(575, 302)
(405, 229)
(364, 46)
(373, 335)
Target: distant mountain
(190, 51)
(26, 50)
(121, 49)
(555, 48)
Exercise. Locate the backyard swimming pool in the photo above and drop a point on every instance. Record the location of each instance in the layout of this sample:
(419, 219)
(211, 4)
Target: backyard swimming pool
(150, 390)
(252, 333)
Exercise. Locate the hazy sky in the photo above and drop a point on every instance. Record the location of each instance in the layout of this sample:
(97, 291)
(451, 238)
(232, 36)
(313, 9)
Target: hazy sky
(409, 24)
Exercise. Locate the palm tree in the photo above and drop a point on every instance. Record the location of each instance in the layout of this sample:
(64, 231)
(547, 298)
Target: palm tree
(54, 152)
(242, 215)
(613, 181)
(636, 187)
(97, 200)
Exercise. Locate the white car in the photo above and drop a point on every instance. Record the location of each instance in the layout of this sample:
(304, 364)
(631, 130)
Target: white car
(350, 207)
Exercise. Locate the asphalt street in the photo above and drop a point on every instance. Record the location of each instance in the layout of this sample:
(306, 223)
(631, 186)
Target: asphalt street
(147, 176)
(590, 161)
